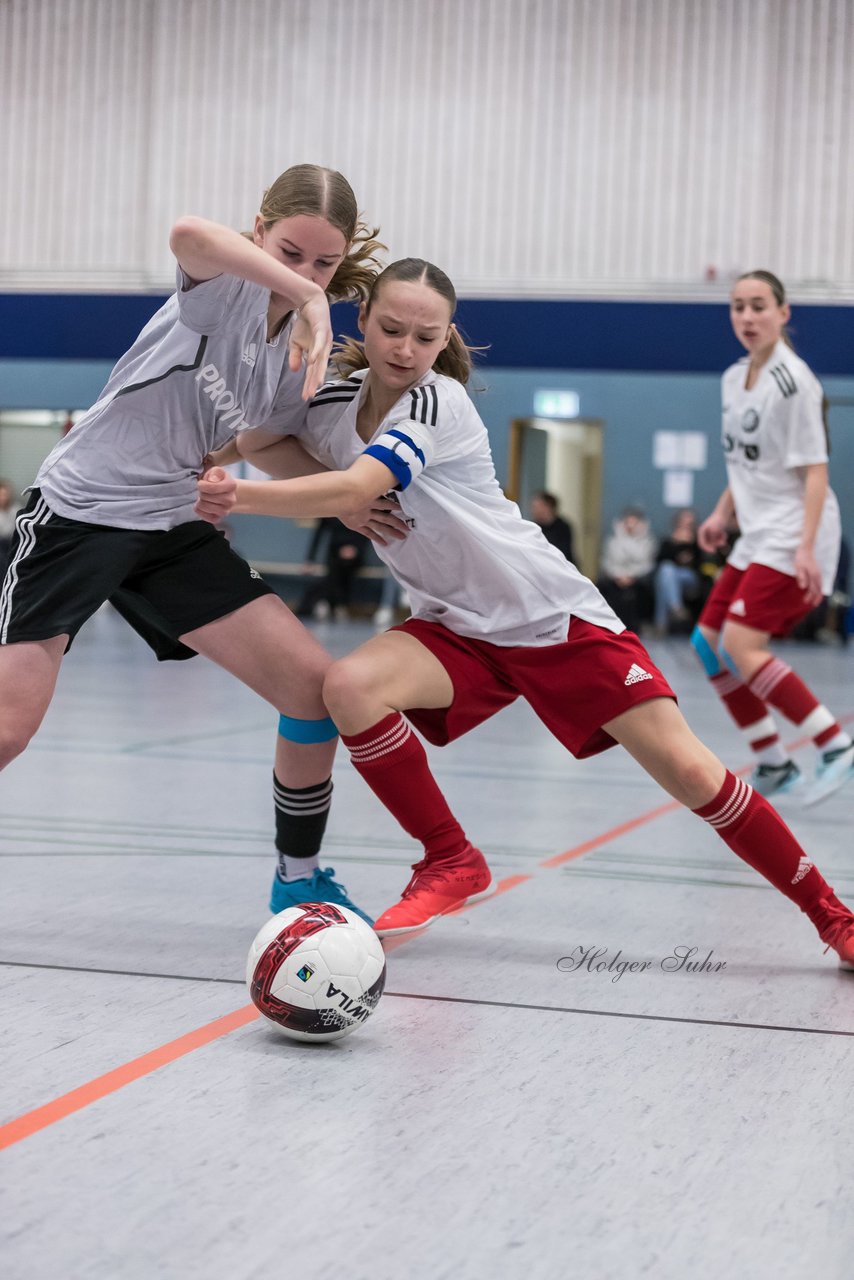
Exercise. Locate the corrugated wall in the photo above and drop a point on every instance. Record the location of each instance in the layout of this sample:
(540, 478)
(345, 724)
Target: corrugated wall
(539, 147)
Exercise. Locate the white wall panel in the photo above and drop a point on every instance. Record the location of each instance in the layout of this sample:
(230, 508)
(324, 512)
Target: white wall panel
(540, 147)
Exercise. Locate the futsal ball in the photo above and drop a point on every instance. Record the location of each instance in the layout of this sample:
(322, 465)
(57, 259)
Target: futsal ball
(316, 970)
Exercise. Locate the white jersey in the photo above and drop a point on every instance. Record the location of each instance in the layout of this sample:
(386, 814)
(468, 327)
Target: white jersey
(770, 433)
(470, 561)
(200, 371)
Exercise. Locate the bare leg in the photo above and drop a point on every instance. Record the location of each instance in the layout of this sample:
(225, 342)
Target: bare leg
(266, 647)
(366, 693)
(28, 673)
(748, 648)
(391, 672)
(269, 650)
(658, 736)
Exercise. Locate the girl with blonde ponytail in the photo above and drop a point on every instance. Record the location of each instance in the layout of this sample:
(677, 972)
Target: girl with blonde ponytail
(497, 612)
(244, 340)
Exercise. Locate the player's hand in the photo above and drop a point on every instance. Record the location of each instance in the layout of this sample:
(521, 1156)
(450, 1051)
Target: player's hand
(808, 576)
(381, 522)
(712, 534)
(311, 339)
(217, 495)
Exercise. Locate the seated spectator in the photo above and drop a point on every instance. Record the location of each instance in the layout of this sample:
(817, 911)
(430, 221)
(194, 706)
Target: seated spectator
(628, 562)
(678, 581)
(544, 512)
(344, 556)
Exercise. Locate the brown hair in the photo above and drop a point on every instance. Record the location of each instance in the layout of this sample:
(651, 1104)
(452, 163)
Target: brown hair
(775, 284)
(455, 360)
(325, 193)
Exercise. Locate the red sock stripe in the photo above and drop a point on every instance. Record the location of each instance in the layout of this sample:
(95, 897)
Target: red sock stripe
(784, 689)
(742, 704)
(729, 804)
(764, 681)
(383, 739)
(755, 831)
(725, 683)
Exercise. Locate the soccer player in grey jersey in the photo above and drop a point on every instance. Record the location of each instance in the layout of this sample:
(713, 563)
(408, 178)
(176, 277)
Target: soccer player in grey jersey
(244, 340)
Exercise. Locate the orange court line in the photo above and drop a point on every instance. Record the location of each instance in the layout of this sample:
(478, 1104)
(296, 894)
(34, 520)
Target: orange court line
(34, 1121)
(621, 830)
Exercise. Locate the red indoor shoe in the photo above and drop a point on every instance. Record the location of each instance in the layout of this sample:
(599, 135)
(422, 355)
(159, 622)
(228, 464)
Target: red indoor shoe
(435, 888)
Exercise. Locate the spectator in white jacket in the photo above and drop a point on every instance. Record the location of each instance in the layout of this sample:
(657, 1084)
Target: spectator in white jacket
(628, 564)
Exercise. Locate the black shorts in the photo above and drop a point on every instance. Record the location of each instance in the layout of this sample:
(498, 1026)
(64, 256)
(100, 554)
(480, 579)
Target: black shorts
(163, 582)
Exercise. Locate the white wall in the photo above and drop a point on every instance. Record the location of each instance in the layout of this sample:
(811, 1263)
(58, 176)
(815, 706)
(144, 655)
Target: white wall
(541, 147)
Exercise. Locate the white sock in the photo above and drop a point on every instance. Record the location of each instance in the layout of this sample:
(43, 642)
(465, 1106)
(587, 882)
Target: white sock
(297, 868)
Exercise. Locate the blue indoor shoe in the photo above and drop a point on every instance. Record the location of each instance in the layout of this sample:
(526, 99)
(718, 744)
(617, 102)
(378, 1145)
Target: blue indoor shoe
(834, 770)
(319, 887)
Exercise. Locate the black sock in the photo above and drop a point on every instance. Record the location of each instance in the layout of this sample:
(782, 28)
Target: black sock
(301, 814)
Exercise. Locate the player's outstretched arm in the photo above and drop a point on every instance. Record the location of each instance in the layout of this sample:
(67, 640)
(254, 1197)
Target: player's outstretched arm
(282, 457)
(334, 493)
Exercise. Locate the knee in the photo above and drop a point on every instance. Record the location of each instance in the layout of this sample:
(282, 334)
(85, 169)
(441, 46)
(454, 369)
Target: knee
(13, 741)
(346, 681)
(737, 652)
(696, 782)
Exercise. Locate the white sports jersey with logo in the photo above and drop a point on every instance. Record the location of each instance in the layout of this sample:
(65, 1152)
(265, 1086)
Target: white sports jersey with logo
(770, 433)
(200, 371)
(470, 561)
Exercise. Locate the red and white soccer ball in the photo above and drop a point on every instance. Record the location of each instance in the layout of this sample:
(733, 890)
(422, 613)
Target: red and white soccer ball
(316, 970)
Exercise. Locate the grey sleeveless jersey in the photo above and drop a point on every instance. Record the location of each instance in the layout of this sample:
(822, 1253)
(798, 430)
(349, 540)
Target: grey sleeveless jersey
(200, 371)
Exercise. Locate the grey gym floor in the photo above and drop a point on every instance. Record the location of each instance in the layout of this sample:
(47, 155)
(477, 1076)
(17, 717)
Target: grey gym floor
(500, 1115)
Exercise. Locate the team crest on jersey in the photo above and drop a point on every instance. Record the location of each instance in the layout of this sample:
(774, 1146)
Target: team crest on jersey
(750, 421)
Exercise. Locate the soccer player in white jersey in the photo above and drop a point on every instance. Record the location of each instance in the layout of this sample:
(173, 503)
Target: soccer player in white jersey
(786, 555)
(498, 612)
(244, 340)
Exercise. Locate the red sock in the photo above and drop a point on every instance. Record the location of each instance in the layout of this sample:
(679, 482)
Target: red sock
(394, 764)
(778, 684)
(747, 710)
(757, 833)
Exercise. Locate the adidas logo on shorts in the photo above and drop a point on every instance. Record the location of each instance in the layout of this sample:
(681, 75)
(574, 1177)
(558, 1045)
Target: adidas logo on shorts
(738, 607)
(636, 674)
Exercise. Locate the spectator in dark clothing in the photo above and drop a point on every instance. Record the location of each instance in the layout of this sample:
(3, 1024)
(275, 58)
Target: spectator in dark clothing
(677, 575)
(544, 512)
(344, 556)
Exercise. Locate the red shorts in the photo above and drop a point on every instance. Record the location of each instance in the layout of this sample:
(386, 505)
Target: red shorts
(574, 687)
(757, 597)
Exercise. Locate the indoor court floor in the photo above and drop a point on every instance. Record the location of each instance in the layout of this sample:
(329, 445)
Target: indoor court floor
(506, 1112)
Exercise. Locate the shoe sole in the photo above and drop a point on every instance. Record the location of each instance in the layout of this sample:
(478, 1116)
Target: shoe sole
(425, 924)
(821, 790)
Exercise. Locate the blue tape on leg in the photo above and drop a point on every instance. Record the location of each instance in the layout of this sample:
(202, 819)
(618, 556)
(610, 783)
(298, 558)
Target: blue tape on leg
(306, 731)
(705, 653)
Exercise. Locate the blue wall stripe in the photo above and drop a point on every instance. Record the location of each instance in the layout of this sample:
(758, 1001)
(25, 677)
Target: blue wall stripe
(520, 333)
